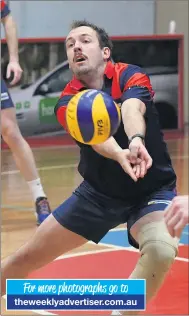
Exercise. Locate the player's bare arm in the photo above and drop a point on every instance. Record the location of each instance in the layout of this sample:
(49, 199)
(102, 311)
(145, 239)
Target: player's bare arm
(12, 42)
(133, 111)
(108, 149)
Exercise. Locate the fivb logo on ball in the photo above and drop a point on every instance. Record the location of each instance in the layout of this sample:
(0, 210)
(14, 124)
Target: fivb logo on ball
(92, 117)
(102, 124)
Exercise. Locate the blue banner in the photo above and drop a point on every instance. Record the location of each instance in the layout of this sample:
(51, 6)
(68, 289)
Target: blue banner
(76, 294)
(74, 287)
(75, 302)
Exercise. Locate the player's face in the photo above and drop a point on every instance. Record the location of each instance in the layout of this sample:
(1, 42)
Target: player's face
(83, 51)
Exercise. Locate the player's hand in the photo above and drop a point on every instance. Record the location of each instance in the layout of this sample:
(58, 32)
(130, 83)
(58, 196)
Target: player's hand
(123, 158)
(14, 67)
(138, 151)
(177, 215)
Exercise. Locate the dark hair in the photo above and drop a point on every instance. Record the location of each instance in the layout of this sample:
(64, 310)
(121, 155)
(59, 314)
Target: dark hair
(104, 40)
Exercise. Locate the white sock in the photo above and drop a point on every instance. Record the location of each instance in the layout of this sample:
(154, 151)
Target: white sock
(36, 189)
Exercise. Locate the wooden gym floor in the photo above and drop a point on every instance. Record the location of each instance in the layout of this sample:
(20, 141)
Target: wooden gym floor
(58, 171)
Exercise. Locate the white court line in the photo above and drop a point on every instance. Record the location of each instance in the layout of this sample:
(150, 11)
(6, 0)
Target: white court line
(41, 168)
(64, 166)
(136, 250)
(63, 147)
(117, 229)
(20, 208)
(42, 312)
(84, 253)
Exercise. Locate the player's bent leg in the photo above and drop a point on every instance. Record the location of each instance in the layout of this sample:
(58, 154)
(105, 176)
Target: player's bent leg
(80, 218)
(147, 232)
(50, 241)
(157, 252)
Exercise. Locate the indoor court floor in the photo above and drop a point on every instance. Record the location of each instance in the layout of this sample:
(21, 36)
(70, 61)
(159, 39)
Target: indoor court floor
(113, 257)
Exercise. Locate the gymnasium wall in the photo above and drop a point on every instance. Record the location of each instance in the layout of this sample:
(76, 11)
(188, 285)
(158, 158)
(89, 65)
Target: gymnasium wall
(53, 18)
(166, 11)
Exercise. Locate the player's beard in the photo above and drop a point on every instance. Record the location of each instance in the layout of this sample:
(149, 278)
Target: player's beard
(83, 71)
(87, 70)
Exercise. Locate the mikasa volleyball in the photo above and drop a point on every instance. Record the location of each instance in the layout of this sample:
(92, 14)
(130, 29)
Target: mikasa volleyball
(92, 117)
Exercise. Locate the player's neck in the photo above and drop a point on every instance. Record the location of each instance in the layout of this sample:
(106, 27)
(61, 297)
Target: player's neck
(94, 80)
(94, 83)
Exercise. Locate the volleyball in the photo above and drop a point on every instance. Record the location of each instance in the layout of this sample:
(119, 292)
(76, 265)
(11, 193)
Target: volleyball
(92, 117)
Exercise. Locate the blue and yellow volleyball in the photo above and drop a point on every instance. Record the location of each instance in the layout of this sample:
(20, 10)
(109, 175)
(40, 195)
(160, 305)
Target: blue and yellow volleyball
(92, 117)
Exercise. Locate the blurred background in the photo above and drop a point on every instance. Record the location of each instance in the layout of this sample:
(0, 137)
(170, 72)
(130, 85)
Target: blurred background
(151, 34)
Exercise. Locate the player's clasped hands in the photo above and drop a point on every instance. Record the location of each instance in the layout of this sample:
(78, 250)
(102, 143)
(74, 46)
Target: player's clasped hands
(135, 161)
(139, 151)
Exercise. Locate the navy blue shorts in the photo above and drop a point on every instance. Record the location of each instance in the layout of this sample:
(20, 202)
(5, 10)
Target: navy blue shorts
(6, 101)
(91, 214)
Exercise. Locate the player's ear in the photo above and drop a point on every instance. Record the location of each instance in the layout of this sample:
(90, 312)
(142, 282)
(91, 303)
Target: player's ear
(106, 53)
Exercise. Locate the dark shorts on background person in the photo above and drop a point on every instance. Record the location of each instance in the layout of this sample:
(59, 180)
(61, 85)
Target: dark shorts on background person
(6, 100)
(91, 214)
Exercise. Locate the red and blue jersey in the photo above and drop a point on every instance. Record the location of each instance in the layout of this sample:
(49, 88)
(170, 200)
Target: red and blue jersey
(4, 9)
(119, 79)
(122, 82)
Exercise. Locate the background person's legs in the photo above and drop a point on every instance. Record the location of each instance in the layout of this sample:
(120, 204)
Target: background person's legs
(20, 149)
(22, 154)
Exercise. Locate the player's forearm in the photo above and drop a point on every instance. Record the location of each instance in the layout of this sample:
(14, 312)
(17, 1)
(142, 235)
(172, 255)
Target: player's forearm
(108, 149)
(133, 117)
(11, 37)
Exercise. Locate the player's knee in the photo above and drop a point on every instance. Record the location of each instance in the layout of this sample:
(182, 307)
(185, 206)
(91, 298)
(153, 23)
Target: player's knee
(160, 255)
(158, 248)
(10, 132)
